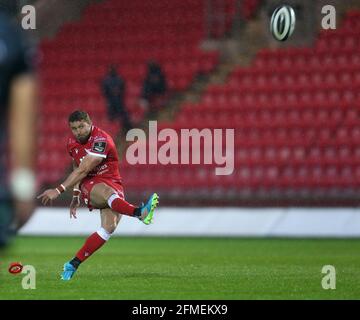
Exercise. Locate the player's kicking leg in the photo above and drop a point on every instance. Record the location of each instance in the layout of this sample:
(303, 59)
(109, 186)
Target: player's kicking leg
(109, 222)
(112, 205)
(103, 196)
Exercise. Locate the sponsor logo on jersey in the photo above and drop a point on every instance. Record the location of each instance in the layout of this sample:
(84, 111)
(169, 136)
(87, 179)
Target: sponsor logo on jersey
(99, 146)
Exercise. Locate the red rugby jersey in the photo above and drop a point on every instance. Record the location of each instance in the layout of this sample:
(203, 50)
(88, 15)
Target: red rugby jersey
(99, 144)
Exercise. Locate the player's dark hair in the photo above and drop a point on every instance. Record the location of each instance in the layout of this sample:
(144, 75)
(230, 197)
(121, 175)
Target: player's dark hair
(79, 115)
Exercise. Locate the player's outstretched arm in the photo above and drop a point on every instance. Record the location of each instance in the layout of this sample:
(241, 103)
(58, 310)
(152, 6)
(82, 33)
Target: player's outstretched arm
(88, 164)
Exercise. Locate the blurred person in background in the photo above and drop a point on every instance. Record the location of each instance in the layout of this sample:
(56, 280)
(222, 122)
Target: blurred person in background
(154, 90)
(18, 96)
(113, 88)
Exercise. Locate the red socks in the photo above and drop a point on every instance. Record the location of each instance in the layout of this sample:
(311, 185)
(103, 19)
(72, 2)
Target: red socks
(120, 205)
(97, 239)
(92, 243)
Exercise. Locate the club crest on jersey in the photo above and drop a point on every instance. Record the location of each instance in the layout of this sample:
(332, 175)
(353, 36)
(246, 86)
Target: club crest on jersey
(99, 147)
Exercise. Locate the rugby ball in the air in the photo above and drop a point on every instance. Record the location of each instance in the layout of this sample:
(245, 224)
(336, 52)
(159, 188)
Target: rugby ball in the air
(282, 23)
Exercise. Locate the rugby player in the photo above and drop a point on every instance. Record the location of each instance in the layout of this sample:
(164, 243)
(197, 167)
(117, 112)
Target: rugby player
(96, 178)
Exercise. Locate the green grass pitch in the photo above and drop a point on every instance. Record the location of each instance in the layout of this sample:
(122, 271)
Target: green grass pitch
(185, 268)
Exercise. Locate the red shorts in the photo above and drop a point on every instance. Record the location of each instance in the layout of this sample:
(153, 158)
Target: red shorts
(89, 182)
